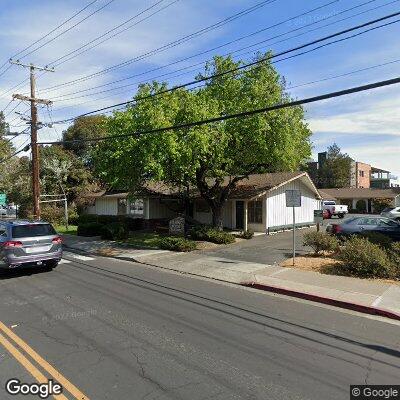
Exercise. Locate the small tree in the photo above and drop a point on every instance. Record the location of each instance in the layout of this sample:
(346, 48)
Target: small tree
(380, 204)
(335, 173)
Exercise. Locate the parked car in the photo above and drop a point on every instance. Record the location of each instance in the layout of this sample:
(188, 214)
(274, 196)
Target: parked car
(29, 244)
(391, 212)
(332, 208)
(360, 225)
(3, 211)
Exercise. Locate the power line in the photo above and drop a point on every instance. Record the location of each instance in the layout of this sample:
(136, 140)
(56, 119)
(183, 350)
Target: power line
(248, 113)
(52, 39)
(23, 148)
(241, 67)
(68, 29)
(65, 57)
(182, 39)
(218, 47)
(230, 53)
(52, 31)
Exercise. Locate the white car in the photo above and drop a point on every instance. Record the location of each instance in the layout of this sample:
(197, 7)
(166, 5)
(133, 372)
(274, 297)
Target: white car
(3, 211)
(391, 212)
(331, 208)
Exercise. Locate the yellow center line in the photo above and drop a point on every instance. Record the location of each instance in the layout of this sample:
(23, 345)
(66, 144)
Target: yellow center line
(27, 364)
(44, 364)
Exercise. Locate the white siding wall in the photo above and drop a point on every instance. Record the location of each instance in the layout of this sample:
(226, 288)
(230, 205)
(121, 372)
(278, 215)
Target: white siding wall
(279, 215)
(206, 217)
(104, 206)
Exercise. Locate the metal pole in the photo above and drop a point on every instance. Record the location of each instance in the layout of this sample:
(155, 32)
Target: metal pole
(66, 213)
(34, 147)
(294, 235)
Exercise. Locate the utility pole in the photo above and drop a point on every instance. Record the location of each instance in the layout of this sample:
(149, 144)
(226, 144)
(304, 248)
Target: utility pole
(34, 128)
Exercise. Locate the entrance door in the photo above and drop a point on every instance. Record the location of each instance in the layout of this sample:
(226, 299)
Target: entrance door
(239, 214)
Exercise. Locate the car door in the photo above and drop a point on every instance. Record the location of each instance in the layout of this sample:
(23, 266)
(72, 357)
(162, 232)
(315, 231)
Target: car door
(366, 224)
(3, 238)
(389, 228)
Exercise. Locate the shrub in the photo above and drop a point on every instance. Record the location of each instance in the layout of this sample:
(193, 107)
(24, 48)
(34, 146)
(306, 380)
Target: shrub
(85, 218)
(362, 258)
(53, 214)
(378, 238)
(320, 241)
(209, 234)
(381, 204)
(114, 231)
(247, 234)
(394, 255)
(90, 229)
(177, 244)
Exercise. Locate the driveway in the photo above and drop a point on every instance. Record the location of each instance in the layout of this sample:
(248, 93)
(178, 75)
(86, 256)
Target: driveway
(270, 249)
(263, 249)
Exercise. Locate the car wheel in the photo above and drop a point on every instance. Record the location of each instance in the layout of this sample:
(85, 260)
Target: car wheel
(341, 215)
(50, 265)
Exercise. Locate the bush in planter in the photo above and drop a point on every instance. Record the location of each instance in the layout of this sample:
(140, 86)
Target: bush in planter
(210, 234)
(90, 229)
(86, 218)
(394, 255)
(114, 231)
(247, 234)
(320, 241)
(378, 238)
(177, 244)
(362, 258)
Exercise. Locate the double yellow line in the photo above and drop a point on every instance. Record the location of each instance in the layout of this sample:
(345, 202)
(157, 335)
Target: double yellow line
(9, 340)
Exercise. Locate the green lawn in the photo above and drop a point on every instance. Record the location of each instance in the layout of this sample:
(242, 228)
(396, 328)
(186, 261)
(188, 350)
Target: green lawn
(63, 230)
(150, 240)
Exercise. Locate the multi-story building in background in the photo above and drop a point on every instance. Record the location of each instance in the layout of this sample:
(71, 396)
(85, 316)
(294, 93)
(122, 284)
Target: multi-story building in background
(361, 175)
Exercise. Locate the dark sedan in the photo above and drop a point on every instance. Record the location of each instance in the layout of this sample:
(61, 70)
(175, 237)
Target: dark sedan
(360, 225)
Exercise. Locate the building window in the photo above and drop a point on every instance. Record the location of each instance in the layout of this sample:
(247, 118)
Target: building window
(136, 207)
(362, 174)
(254, 209)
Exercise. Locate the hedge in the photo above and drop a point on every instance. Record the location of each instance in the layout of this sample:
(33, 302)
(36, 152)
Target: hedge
(177, 244)
(209, 234)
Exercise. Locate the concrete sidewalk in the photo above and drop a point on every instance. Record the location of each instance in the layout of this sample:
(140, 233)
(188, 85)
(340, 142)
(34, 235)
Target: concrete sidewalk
(373, 297)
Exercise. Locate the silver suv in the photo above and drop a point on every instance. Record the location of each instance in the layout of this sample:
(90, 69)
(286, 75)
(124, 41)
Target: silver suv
(29, 244)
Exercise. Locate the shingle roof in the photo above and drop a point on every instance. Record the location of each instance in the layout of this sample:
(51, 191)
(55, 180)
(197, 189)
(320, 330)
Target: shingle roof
(249, 187)
(359, 193)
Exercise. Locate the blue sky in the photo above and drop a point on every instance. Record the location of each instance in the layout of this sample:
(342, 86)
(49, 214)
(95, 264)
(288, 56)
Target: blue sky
(365, 125)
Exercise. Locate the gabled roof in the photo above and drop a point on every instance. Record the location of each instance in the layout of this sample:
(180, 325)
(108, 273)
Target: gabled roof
(250, 187)
(360, 193)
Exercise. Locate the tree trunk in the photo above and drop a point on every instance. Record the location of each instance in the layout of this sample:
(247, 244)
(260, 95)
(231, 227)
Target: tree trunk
(217, 216)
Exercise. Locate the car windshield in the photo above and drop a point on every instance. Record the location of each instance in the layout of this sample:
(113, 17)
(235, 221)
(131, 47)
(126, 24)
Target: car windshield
(387, 209)
(32, 230)
(329, 203)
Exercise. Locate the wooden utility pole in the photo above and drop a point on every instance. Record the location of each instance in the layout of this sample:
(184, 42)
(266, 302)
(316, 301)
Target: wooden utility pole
(34, 128)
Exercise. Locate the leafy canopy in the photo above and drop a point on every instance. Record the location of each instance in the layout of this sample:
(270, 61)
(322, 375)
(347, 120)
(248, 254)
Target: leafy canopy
(273, 141)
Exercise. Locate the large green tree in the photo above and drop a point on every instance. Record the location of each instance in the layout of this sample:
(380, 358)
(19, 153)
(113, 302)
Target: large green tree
(88, 127)
(201, 157)
(335, 172)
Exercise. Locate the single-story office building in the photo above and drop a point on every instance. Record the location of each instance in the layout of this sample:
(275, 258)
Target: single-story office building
(258, 203)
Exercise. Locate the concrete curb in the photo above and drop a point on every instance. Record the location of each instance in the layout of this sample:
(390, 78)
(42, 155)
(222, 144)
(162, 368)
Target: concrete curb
(325, 300)
(274, 289)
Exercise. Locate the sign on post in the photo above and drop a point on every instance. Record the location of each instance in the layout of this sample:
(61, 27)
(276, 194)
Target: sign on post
(293, 199)
(3, 199)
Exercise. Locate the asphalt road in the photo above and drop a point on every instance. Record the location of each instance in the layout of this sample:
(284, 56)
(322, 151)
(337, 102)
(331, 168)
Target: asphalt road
(119, 330)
